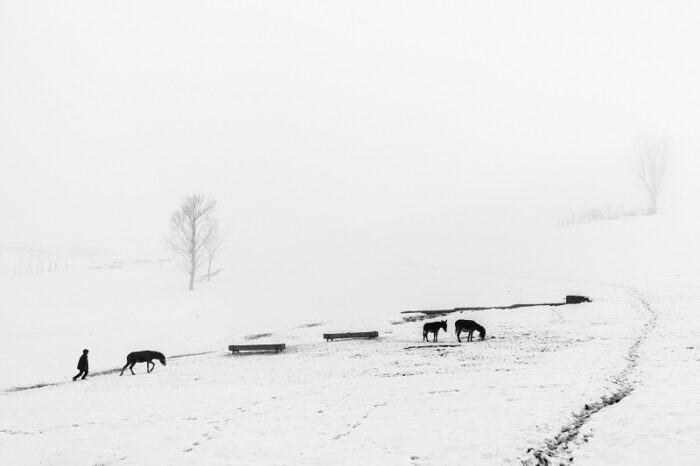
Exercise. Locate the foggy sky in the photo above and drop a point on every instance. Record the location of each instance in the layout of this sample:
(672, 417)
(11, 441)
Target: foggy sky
(321, 126)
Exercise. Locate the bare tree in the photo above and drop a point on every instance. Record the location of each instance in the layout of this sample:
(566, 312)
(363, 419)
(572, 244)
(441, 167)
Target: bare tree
(191, 228)
(652, 169)
(213, 246)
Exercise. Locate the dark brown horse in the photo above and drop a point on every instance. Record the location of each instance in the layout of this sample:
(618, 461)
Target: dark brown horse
(469, 326)
(434, 328)
(143, 356)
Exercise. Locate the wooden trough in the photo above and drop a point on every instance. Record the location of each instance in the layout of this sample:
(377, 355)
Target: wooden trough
(335, 336)
(576, 299)
(277, 347)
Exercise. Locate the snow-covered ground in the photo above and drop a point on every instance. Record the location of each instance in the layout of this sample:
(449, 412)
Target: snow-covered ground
(659, 422)
(393, 400)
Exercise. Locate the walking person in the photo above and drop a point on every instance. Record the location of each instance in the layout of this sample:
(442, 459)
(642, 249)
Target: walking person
(82, 366)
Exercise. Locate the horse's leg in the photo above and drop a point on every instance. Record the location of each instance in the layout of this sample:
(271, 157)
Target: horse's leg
(131, 368)
(124, 368)
(458, 332)
(425, 335)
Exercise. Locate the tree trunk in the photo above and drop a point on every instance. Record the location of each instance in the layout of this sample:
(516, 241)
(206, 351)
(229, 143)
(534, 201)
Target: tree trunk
(193, 269)
(652, 205)
(193, 251)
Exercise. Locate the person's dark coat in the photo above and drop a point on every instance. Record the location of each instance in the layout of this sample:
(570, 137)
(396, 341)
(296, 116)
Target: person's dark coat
(83, 363)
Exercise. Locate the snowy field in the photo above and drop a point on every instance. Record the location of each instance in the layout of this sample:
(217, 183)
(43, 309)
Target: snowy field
(537, 388)
(659, 422)
(394, 400)
(184, 176)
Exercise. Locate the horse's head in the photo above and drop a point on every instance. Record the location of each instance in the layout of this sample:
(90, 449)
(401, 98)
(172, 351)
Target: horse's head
(162, 360)
(482, 333)
(443, 325)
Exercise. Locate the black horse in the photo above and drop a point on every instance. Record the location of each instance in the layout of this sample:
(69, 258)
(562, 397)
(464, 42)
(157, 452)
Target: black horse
(143, 356)
(434, 328)
(469, 326)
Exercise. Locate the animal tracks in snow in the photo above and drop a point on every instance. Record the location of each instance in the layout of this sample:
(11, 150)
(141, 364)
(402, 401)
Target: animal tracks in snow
(359, 422)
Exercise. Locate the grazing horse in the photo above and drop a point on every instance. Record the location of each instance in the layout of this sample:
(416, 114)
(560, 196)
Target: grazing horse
(434, 328)
(469, 326)
(143, 356)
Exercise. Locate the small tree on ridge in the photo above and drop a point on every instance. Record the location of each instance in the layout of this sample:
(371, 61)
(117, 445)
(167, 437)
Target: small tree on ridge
(652, 169)
(192, 228)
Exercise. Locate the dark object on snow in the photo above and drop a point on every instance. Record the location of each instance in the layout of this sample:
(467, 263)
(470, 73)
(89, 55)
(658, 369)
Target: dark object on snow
(273, 347)
(333, 336)
(571, 299)
(442, 312)
(469, 326)
(143, 356)
(575, 299)
(82, 366)
(434, 328)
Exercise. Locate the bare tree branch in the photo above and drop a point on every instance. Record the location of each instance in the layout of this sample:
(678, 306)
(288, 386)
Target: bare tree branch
(191, 227)
(212, 246)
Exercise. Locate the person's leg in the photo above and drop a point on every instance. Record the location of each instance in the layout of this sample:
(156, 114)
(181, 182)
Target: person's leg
(85, 374)
(77, 375)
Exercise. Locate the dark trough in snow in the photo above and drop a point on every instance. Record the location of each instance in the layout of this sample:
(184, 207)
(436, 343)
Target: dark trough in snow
(570, 299)
(277, 347)
(334, 336)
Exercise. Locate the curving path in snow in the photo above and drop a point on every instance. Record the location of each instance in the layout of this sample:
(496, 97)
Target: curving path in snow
(560, 449)
(659, 422)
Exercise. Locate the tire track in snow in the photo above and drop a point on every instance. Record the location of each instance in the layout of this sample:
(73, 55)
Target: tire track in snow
(558, 450)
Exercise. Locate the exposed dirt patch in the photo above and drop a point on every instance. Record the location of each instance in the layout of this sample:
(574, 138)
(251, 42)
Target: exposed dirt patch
(257, 336)
(92, 374)
(431, 346)
(311, 324)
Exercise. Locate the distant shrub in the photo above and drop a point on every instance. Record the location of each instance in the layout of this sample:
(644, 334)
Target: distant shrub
(609, 212)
